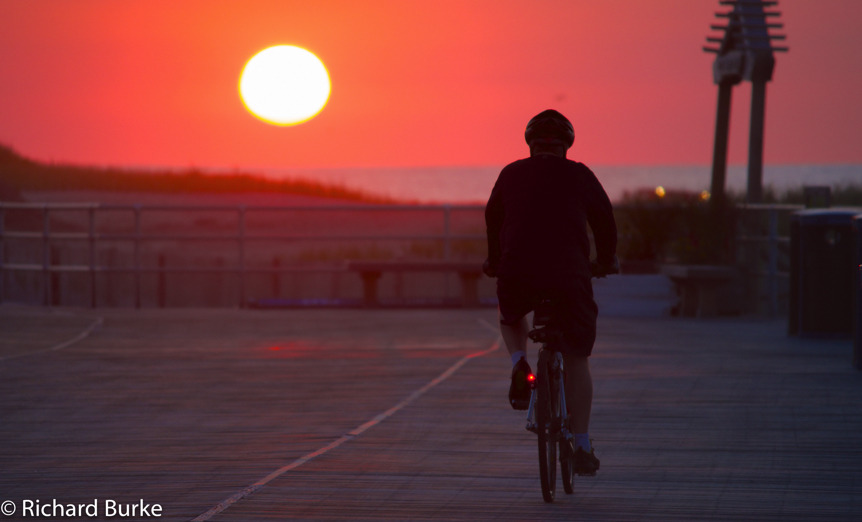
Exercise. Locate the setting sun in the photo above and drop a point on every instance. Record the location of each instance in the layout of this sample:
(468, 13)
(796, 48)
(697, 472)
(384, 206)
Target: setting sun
(284, 85)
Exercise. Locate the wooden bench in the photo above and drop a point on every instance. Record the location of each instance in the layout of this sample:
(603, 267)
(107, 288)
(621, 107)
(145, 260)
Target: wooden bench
(371, 271)
(699, 287)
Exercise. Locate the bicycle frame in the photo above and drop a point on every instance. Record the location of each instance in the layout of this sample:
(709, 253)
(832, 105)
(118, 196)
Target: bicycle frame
(550, 420)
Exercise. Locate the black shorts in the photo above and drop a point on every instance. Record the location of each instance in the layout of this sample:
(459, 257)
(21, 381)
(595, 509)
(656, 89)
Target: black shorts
(574, 307)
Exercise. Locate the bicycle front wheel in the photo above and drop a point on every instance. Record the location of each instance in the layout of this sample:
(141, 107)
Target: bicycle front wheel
(544, 420)
(567, 465)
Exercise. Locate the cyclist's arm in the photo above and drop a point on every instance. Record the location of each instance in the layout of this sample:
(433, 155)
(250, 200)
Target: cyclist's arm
(600, 216)
(493, 225)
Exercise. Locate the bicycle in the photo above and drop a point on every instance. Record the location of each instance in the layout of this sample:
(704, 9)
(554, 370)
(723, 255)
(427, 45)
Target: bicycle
(547, 414)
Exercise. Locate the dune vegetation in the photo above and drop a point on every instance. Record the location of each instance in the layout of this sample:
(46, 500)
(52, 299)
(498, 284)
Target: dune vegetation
(19, 174)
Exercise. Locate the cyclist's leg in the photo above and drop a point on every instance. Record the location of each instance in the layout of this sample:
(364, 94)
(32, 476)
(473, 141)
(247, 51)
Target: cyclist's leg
(515, 335)
(579, 312)
(579, 391)
(580, 327)
(579, 399)
(514, 329)
(512, 294)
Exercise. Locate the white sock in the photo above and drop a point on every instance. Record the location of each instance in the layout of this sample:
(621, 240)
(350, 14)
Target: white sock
(582, 440)
(517, 356)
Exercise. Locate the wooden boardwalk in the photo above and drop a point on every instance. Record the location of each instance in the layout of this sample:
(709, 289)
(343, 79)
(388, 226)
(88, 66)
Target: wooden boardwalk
(382, 415)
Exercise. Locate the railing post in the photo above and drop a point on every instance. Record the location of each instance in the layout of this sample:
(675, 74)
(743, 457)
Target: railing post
(137, 254)
(241, 239)
(276, 277)
(773, 262)
(162, 288)
(2, 253)
(447, 231)
(46, 256)
(92, 240)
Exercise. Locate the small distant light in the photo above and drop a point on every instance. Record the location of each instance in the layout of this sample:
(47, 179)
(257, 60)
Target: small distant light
(531, 377)
(705, 195)
(660, 192)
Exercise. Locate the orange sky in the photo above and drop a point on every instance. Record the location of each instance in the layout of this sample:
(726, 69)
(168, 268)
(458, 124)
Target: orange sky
(414, 83)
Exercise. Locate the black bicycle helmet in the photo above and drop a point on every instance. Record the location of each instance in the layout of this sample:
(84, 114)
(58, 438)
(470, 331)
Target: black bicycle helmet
(550, 127)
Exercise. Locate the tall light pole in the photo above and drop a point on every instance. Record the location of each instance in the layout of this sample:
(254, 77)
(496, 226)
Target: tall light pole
(744, 52)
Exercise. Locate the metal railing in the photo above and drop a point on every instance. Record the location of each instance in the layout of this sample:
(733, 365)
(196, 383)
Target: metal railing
(763, 239)
(765, 243)
(242, 237)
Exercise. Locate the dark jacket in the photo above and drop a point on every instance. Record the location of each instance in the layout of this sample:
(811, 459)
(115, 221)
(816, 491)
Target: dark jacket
(537, 215)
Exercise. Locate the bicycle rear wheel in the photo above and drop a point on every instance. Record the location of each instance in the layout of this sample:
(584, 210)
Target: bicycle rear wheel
(544, 421)
(567, 453)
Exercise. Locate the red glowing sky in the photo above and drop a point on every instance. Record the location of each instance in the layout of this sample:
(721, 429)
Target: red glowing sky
(154, 82)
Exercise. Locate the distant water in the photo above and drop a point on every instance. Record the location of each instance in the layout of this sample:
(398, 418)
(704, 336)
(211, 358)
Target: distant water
(473, 184)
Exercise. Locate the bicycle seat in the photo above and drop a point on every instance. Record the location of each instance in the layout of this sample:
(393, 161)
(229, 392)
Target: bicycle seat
(543, 330)
(543, 313)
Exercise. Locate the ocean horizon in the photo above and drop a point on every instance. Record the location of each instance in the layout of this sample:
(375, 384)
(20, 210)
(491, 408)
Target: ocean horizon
(473, 184)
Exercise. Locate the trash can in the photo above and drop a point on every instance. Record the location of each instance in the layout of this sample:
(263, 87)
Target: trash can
(822, 273)
(857, 292)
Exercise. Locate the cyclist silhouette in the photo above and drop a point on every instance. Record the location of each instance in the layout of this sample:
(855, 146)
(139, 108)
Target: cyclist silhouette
(538, 247)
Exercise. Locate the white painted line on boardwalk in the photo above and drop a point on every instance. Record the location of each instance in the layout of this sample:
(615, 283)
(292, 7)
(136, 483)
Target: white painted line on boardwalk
(489, 326)
(80, 337)
(250, 490)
